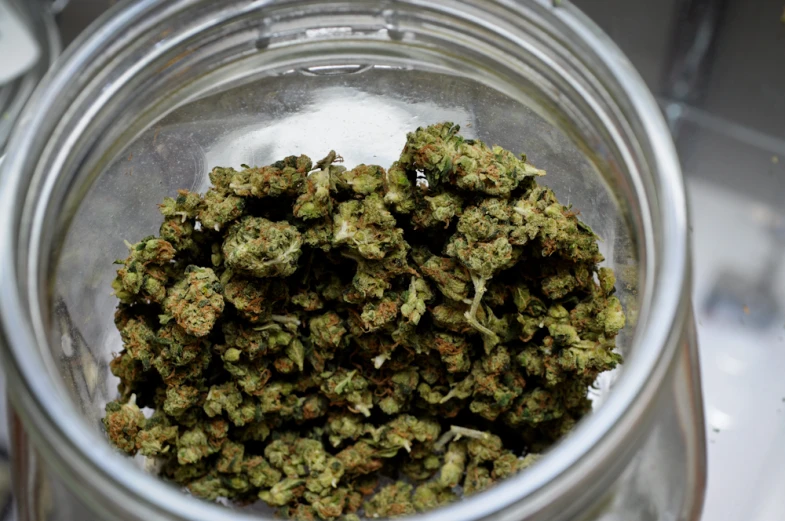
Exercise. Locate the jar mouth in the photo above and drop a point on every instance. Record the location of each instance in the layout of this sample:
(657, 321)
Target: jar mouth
(31, 175)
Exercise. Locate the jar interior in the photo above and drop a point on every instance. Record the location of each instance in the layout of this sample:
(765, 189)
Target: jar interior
(249, 101)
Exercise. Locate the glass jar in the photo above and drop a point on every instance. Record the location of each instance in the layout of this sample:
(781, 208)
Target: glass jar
(159, 92)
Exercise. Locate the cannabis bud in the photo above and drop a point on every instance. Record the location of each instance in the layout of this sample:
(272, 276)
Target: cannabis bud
(341, 342)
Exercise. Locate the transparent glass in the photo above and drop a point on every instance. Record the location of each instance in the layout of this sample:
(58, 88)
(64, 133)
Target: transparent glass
(164, 91)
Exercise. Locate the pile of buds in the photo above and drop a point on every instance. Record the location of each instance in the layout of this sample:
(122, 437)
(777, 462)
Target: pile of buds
(341, 342)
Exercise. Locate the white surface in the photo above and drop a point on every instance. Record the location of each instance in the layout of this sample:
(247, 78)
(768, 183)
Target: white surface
(18, 49)
(742, 351)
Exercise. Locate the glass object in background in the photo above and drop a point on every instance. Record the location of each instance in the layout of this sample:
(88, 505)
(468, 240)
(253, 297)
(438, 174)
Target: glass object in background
(18, 49)
(166, 91)
(29, 43)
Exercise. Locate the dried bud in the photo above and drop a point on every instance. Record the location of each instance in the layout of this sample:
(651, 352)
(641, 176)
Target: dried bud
(195, 301)
(431, 495)
(262, 248)
(316, 200)
(362, 180)
(399, 189)
(143, 276)
(436, 211)
(219, 209)
(123, 421)
(185, 206)
(446, 157)
(366, 227)
(413, 307)
(391, 501)
(285, 177)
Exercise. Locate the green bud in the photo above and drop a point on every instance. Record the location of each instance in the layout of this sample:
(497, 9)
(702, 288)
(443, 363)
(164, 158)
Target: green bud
(157, 437)
(436, 211)
(391, 501)
(362, 180)
(477, 479)
(262, 248)
(413, 307)
(195, 301)
(285, 177)
(185, 206)
(359, 458)
(143, 275)
(192, 446)
(123, 421)
(316, 201)
(283, 492)
(431, 495)
(220, 209)
(450, 278)
(399, 189)
(366, 227)
(446, 157)
(454, 465)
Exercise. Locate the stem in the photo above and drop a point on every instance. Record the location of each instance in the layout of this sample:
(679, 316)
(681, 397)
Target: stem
(267, 326)
(362, 409)
(285, 319)
(457, 433)
(479, 291)
(443, 440)
(327, 160)
(471, 315)
(469, 433)
(448, 396)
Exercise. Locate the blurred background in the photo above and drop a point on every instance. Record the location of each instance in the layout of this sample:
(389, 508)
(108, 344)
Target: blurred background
(716, 67)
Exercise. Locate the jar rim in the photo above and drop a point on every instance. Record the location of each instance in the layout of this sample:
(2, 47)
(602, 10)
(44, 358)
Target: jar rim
(572, 461)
